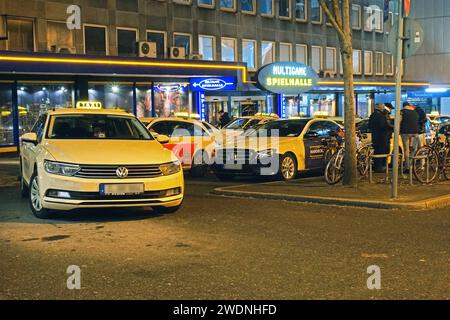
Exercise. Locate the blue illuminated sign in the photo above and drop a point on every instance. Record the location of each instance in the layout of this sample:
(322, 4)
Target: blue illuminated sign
(213, 84)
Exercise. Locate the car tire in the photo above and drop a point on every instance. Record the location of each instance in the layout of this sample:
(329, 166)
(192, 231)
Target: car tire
(35, 200)
(199, 170)
(288, 167)
(166, 209)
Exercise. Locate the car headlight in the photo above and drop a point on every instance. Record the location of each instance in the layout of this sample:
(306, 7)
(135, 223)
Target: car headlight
(63, 169)
(265, 153)
(170, 168)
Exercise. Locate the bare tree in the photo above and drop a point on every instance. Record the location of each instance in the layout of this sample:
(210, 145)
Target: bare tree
(338, 14)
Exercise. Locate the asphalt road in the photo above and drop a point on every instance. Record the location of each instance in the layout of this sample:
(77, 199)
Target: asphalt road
(223, 248)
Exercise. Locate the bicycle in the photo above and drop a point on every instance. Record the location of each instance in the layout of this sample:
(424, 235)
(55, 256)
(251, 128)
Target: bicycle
(433, 160)
(334, 170)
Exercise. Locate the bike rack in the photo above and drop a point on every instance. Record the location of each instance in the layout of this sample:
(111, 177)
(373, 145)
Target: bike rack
(379, 156)
(427, 163)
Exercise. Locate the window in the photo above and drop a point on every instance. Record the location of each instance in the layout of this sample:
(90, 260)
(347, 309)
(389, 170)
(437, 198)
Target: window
(266, 7)
(228, 5)
(379, 68)
(389, 64)
(316, 58)
(20, 34)
(249, 53)
(126, 42)
(159, 37)
(330, 63)
(316, 12)
(171, 98)
(182, 40)
(368, 63)
(285, 52)
(59, 38)
(112, 96)
(228, 49)
(284, 9)
(95, 40)
(357, 69)
(356, 17)
(248, 6)
(300, 10)
(301, 53)
(373, 19)
(207, 47)
(267, 52)
(6, 115)
(38, 127)
(128, 5)
(206, 3)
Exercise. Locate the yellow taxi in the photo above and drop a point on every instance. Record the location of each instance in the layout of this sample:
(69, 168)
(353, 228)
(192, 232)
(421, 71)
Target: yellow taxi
(242, 124)
(94, 158)
(189, 140)
(280, 147)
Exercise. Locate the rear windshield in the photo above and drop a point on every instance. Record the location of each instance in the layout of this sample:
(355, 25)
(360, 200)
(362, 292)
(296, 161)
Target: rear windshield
(97, 127)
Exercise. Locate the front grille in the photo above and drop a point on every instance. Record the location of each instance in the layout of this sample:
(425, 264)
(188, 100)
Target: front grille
(109, 171)
(236, 156)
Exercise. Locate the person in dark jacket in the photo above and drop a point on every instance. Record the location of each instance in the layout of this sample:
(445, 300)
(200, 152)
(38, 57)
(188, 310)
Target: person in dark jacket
(422, 119)
(381, 129)
(224, 118)
(409, 131)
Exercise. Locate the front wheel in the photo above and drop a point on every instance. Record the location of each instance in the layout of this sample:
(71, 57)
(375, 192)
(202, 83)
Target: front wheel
(288, 167)
(425, 166)
(35, 199)
(334, 170)
(363, 161)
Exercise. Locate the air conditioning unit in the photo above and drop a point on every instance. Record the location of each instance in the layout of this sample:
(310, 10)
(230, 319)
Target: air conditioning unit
(177, 53)
(63, 49)
(196, 56)
(147, 49)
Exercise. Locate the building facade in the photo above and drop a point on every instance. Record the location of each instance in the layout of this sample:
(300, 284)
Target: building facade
(219, 33)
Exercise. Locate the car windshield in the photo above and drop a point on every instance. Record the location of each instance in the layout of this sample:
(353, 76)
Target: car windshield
(237, 124)
(282, 128)
(101, 127)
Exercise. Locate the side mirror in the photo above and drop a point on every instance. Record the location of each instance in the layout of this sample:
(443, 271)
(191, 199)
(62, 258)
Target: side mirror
(30, 137)
(162, 139)
(312, 134)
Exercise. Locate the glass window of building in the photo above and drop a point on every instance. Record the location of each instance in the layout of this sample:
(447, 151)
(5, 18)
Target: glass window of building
(368, 63)
(128, 5)
(248, 6)
(182, 40)
(267, 52)
(389, 64)
(317, 58)
(266, 7)
(357, 65)
(126, 42)
(95, 42)
(20, 34)
(143, 100)
(59, 38)
(316, 12)
(378, 20)
(284, 9)
(356, 17)
(158, 37)
(34, 99)
(300, 10)
(228, 5)
(330, 63)
(295, 106)
(301, 53)
(249, 53)
(171, 98)
(228, 49)
(373, 19)
(379, 68)
(207, 47)
(206, 3)
(322, 104)
(6, 115)
(112, 95)
(285, 52)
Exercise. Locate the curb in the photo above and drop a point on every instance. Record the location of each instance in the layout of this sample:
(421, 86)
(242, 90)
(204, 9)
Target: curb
(432, 203)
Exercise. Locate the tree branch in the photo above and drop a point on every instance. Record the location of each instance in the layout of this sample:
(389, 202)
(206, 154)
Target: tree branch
(332, 18)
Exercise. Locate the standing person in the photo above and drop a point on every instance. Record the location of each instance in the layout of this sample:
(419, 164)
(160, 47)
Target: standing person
(380, 129)
(409, 131)
(224, 118)
(422, 119)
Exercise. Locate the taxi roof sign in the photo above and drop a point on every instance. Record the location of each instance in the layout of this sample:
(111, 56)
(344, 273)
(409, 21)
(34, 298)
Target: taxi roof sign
(90, 105)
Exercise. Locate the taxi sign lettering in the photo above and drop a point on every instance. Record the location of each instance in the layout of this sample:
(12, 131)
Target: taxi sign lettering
(93, 105)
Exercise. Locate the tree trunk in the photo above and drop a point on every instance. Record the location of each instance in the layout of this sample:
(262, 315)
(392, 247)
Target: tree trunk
(350, 164)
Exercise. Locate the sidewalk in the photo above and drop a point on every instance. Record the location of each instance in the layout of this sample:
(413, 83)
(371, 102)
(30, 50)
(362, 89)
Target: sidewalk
(315, 190)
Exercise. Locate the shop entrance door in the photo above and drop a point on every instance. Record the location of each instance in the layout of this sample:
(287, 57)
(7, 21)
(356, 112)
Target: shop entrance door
(249, 108)
(213, 108)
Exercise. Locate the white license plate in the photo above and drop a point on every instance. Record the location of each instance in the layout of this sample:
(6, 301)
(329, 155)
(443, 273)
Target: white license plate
(232, 166)
(122, 189)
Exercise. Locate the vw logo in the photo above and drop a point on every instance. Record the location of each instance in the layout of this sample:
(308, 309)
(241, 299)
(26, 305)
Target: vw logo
(122, 172)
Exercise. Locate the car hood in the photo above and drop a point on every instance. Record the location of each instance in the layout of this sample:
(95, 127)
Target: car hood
(108, 151)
